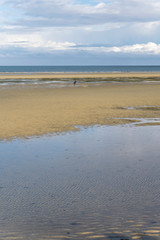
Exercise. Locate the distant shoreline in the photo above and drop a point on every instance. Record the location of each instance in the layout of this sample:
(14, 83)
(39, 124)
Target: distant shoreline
(78, 75)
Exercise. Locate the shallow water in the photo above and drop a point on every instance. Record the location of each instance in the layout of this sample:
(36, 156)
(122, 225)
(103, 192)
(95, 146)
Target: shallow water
(99, 183)
(28, 82)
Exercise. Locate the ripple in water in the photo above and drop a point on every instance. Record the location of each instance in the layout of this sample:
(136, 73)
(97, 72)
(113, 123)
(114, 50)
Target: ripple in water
(99, 183)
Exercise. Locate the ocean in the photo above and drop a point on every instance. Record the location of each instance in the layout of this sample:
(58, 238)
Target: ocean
(30, 69)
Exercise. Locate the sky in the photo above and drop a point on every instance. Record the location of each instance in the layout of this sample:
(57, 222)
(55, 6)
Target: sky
(79, 32)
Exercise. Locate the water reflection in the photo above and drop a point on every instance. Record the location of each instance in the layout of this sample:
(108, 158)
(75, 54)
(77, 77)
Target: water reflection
(99, 183)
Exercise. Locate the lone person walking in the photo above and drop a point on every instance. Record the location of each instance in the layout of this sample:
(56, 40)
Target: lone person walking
(74, 82)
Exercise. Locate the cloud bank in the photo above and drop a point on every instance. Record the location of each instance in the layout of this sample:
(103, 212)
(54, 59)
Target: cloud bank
(38, 44)
(148, 48)
(41, 13)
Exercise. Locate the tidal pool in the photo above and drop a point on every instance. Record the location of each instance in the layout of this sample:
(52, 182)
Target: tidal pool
(102, 182)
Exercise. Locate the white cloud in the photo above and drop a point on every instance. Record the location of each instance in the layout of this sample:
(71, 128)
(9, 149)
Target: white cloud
(41, 13)
(32, 42)
(111, 22)
(148, 48)
(36, 42)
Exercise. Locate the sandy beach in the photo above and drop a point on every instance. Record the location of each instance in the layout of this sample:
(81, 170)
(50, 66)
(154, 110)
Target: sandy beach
(30, 111)
(72, 75)
(97, 183)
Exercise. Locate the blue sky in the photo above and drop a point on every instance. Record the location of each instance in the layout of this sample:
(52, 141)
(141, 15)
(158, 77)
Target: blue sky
(79, 32)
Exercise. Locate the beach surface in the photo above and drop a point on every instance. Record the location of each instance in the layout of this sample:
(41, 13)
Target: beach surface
(35, 111)
(99, 180)
(71, 75)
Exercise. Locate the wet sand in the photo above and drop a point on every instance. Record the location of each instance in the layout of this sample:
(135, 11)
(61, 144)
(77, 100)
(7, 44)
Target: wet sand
(29, 111)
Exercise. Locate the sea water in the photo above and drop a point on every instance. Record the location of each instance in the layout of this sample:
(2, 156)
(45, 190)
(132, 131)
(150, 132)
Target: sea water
(101, 182)
(32, 69)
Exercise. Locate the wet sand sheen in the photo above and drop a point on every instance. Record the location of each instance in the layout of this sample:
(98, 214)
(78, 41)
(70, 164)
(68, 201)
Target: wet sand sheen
(90, 184)
(29, 111)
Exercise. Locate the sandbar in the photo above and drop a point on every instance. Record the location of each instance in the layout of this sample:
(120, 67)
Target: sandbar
(71, 75)
(35, 111)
